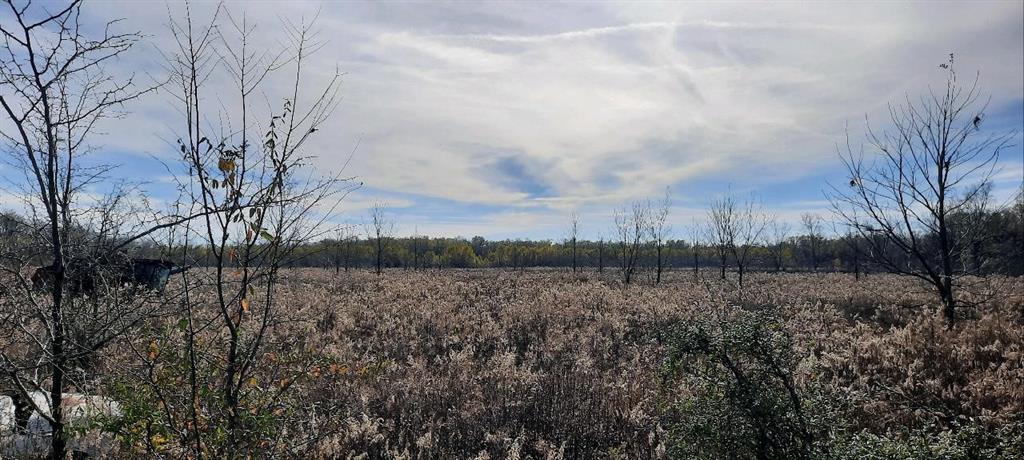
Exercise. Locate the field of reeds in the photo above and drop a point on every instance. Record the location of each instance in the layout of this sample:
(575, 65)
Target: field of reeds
(548, 364)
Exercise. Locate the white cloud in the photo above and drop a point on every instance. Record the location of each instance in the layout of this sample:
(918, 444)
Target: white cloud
(605, 103)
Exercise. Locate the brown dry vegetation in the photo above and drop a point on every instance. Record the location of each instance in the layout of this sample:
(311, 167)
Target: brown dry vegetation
(550, 365)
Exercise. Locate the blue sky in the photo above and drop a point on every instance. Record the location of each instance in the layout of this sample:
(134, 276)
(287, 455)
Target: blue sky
(501, 118)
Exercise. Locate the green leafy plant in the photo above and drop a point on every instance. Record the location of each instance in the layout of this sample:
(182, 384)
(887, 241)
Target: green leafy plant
(737, 396)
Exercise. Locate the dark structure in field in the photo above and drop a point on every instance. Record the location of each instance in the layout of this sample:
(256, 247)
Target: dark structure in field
(85, 276)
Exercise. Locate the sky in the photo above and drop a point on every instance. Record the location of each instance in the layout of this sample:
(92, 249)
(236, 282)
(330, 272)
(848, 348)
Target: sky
(501, 119)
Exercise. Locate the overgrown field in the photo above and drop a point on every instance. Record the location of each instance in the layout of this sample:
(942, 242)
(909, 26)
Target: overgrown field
(499, 364)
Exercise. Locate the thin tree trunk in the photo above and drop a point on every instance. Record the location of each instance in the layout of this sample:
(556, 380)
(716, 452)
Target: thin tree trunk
(856, 262)
(380, 255)
(696, 263)
(574, 255)
(658, 276)
(948, 304)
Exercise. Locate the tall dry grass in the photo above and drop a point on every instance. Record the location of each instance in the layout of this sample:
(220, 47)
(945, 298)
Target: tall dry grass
(494, 364)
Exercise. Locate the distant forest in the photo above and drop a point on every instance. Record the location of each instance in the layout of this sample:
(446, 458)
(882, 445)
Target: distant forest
(997, 249)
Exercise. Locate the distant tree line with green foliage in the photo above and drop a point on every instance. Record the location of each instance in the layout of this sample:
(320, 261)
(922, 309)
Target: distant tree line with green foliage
(999, 249)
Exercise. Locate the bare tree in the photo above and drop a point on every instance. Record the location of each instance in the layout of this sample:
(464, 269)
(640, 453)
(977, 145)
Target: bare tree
(853, 244)
(779, 234)
(630, 230)
(721, 230)
(932, 163)
(341, 248)
(735, 228)
(517, 263)
(416, 256)
(54, 90)
(350, 246)
(379, 229)
(696, 235)
(812, 237)
(574, 230)
(659, 229)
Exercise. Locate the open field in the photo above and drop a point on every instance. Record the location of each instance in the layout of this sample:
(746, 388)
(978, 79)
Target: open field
(463, 230)
(545, 364)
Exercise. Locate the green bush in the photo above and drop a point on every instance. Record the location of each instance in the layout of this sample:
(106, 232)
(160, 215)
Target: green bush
(736, 397)
(968, 442)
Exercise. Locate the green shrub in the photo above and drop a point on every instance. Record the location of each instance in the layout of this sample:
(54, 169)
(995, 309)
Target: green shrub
(968, 442)
(736, 396)
(731, 377)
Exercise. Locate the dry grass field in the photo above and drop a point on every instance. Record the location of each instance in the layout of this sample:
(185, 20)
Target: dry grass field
(546, 364)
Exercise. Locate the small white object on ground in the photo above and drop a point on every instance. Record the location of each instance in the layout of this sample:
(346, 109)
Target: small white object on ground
(80, 411)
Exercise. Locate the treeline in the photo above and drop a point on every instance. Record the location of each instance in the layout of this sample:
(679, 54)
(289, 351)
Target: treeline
(998, 249)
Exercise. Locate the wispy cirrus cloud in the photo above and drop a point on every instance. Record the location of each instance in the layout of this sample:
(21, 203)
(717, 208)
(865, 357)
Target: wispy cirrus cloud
(502, 118)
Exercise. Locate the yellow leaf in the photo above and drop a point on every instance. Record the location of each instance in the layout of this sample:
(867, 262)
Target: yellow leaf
(225, 165)
(245, 304)
(153, 350)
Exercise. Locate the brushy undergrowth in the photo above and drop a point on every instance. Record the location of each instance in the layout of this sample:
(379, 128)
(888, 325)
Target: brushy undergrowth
(495, 364)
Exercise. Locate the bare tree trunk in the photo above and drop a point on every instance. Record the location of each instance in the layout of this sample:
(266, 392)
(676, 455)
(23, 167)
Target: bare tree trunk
(574, 255)
(856, 261)
(696, 262)
(58, 443)
(337, 257)
(348, 254)
(948, 304)
(380, 255)
(948, 301)
(660, 266)
(380, 228)
(574, 231)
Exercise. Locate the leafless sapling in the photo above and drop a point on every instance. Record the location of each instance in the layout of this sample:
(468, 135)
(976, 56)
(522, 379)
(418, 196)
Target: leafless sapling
(630, 231)
(379, 228)
(812, 237)
(735, 228)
